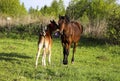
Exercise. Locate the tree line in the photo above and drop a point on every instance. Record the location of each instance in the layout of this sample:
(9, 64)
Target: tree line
(100, 18)
(56, 8)
(14, 8)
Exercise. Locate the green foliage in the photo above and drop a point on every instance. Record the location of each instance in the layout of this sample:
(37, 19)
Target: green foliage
(93, 9)
(12, 7)
(113, 32)
(20, 31)
(56, 8)
(45, 10)
(96, 15)
(34, 12)
(61, 9)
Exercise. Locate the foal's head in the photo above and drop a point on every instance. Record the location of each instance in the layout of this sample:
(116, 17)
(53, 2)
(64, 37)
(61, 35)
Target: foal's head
(62, 21)
(52, 26)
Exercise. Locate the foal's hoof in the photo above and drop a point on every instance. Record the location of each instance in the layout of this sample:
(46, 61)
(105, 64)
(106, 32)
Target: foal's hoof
(72, 62)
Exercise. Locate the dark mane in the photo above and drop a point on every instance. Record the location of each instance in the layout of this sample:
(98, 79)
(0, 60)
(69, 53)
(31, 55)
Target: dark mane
(67, 18)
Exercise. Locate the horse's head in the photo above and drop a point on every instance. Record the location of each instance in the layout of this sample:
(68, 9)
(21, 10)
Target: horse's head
(52, 26)
(62, 21)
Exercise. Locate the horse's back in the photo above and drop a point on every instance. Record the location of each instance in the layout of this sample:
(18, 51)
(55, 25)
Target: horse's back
(77, 26)
(76, 29)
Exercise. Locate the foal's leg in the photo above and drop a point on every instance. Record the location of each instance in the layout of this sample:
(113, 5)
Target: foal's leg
(74, 50)
(38, 54)
(49, 55)
(44, 57)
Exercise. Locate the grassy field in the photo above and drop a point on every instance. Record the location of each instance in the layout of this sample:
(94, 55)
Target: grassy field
(94, 61)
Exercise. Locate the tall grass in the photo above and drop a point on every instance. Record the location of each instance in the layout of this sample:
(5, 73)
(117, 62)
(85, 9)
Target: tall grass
(94, 61)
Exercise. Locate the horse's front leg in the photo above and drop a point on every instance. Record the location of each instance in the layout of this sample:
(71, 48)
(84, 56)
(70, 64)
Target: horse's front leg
(66, 49)
(74, 50)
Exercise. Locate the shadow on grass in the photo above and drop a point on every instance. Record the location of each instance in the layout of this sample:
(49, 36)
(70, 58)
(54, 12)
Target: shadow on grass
(13, 56)
(86, 41)
(91, 42)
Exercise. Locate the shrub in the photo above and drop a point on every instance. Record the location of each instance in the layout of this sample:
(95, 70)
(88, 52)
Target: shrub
(113, 33)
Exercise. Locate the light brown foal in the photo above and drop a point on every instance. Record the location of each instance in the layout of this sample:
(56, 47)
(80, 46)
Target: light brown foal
(45, 43)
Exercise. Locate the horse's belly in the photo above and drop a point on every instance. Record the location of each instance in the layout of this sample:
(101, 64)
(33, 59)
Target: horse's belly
(76, 38)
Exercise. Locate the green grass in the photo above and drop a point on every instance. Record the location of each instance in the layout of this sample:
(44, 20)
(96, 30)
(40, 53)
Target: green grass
(94, 61)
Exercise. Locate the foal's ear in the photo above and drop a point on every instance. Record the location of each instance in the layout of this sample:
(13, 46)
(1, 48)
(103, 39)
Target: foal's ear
(51, 21)
(54, 21)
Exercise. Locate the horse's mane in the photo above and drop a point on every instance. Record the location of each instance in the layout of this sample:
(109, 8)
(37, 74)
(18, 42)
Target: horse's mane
(66, 18)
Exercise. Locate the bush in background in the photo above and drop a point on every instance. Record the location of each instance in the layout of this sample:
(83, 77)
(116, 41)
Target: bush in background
(113, 29)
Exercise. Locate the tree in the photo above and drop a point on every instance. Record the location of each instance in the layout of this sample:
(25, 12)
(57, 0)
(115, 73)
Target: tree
(55, 9)
(61, 7)
(92, 8)
(12, 7)
(95, 12)
(44, 10)
(113, 32)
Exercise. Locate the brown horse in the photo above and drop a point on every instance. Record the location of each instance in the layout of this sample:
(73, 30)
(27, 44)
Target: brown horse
(70, 33)
(45, 42)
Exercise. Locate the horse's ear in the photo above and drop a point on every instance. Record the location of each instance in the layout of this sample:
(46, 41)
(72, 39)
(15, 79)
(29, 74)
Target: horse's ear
(67, 18)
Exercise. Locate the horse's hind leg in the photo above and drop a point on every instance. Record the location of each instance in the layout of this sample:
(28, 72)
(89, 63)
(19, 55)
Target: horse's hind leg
(74, 50)
(38, 54)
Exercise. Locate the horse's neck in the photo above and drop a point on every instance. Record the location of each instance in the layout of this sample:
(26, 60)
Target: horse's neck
(67, 26)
